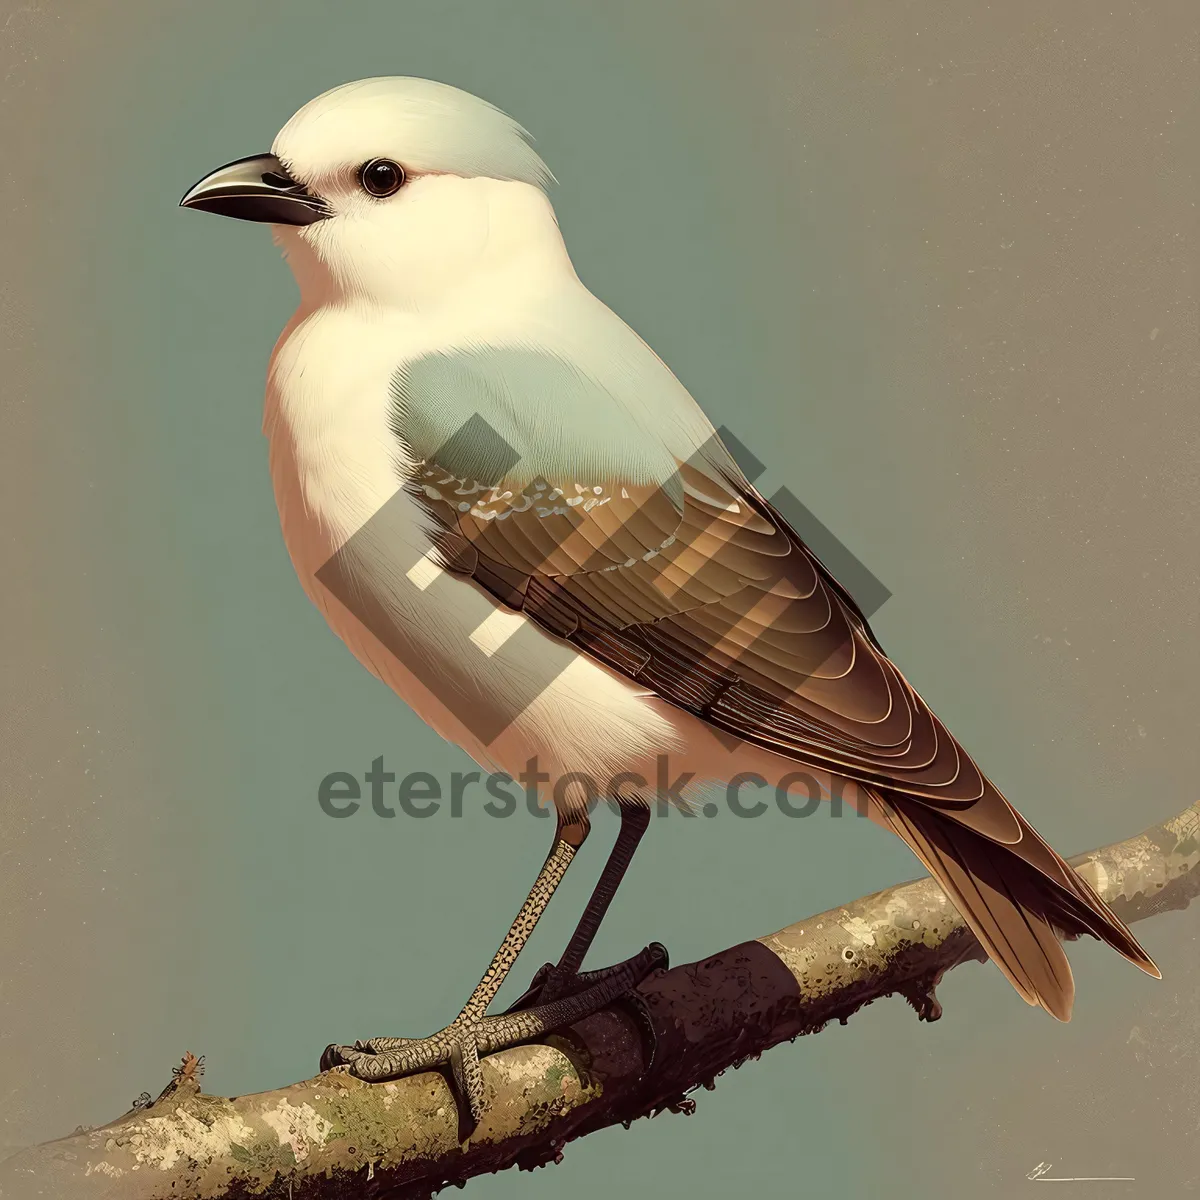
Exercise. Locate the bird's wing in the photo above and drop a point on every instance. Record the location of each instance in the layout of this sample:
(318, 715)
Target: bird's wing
(668, 568)
(671, 569)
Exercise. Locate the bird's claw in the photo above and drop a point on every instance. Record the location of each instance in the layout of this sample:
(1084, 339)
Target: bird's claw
(456, 1046)
(463, 1042)
(551, 982)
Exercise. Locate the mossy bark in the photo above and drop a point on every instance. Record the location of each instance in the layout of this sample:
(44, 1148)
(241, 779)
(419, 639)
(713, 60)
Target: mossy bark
(333, 1136)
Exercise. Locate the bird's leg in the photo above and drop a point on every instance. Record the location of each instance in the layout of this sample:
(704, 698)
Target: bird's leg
(472, 1033)
(565, 978)
(635, 820)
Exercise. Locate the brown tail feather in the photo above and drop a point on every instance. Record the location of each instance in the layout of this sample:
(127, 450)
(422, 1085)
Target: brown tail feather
(1013, 895)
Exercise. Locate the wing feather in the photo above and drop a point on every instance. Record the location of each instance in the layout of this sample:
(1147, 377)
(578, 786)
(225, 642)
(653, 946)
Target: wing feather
(688, 581)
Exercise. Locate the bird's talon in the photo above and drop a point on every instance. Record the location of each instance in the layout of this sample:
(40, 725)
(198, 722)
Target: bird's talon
(336, 1058)
(551, 983)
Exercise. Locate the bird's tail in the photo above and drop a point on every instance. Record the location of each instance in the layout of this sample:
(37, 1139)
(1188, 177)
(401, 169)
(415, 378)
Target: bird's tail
(1013, 895)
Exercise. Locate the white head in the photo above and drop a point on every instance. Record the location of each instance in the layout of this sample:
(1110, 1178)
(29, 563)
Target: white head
(395, 191)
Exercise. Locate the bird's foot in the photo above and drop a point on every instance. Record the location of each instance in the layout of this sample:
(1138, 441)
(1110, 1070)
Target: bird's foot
(551, 982)
(463, 1042)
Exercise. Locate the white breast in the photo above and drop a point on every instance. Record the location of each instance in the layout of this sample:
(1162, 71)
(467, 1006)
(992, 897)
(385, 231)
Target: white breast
(336, 468)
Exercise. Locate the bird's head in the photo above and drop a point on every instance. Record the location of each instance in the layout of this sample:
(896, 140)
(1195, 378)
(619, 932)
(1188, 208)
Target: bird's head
(393, 190)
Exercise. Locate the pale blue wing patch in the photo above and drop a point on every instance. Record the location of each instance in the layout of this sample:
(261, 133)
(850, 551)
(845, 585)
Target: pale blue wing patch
(515, 416)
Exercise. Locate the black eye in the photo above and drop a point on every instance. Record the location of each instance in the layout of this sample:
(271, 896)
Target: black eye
(381, 177)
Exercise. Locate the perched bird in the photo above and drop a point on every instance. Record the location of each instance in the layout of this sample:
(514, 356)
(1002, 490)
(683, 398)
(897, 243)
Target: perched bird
(515, 515)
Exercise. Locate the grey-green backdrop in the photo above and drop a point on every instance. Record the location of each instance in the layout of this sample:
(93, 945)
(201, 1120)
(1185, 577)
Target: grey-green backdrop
(934, 265)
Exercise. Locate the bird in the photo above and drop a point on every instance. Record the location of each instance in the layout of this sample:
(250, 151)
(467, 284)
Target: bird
(514, 514)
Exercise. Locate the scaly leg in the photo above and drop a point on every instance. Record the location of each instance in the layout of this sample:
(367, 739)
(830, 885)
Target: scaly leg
(472, 1033)
(565, 978)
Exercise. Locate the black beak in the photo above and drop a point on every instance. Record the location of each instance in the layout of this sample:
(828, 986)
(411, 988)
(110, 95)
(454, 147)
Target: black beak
(256, 189)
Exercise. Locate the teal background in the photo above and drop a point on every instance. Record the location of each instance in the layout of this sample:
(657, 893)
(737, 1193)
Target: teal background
(780, 202)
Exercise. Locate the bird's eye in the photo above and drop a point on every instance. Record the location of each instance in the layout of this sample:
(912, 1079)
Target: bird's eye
(381, 177)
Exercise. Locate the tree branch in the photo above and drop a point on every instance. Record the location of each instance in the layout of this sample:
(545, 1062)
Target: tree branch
(333, 1136)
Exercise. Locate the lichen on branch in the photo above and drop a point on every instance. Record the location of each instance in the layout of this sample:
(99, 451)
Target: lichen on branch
(335, 1136)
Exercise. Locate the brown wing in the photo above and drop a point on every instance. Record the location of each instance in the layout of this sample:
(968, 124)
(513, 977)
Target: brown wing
(701, 592)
